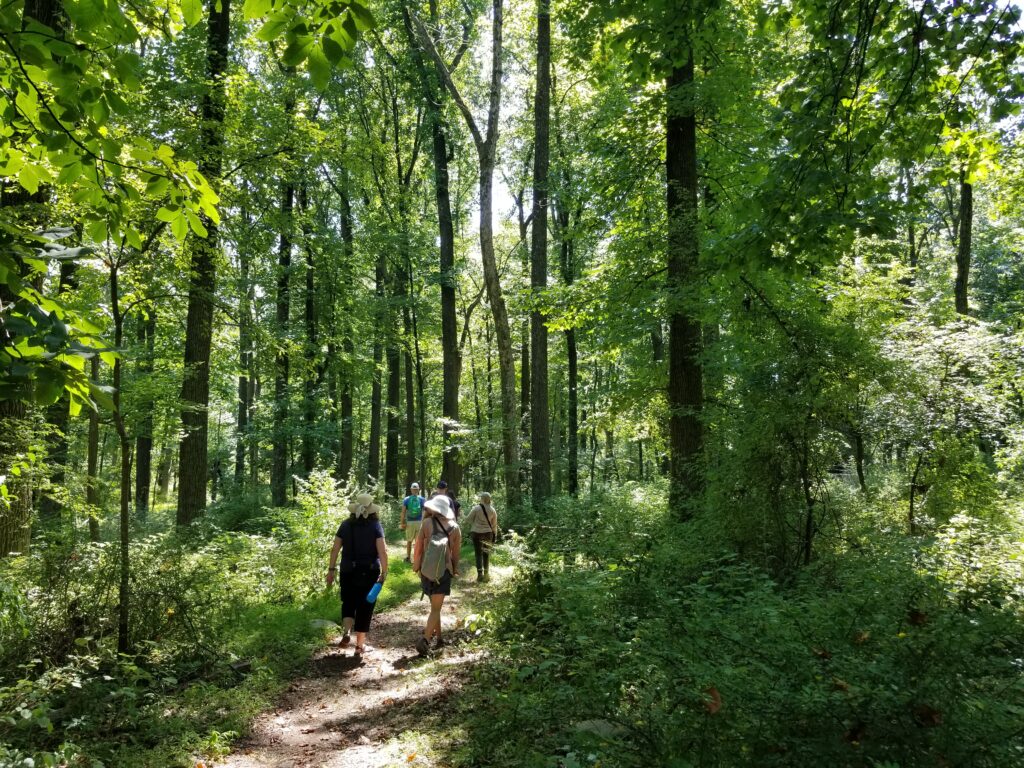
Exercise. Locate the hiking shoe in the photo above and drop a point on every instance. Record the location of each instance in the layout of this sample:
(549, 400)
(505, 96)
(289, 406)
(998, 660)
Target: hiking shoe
(345, 640)
(422, 646)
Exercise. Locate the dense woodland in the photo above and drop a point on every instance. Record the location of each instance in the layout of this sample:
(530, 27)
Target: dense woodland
(722, 299)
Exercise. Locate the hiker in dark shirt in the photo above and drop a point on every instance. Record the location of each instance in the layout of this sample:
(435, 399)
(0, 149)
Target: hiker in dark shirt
(442, 489)
(364, 562)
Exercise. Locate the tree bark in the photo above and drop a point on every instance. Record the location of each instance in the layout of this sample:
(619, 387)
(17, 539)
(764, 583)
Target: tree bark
(279, 451)
(540, 442)
(486, 145)
(92, 498)
(144, 437)
(346, 447)
(393, 416)
(245, 359)
(309, 437)
(57, 417)
(451, 358)
(963, 246)
(373, 454)
(124, 519)
(685, 385)
(195, 390)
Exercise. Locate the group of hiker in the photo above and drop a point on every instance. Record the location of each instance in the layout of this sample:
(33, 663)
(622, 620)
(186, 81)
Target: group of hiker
(433, 540)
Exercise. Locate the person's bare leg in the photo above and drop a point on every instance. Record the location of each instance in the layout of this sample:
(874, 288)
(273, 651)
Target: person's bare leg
(346, 629)
(434, 619)
(360, 642)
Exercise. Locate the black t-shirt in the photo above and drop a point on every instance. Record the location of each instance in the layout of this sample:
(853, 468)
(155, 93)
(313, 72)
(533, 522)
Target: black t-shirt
(359, 542)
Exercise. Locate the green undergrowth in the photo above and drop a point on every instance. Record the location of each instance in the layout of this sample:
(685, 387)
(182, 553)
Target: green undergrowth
(221, 621)
(651, 644)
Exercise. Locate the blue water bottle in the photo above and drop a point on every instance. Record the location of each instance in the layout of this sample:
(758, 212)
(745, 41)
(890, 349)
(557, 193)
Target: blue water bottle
(372, 597)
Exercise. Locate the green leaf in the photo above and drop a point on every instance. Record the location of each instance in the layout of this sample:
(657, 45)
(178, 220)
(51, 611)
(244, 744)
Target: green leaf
(179, 227)
(319, 68)
(97, 230)
(274, 27)
(191, 11)
(169, 213)
(361, 15)
(28, 177)
(256, 9)
(49, 385)
(196, 223)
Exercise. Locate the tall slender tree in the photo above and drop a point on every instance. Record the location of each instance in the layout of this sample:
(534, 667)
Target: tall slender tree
(195, 388)
(486, 143)
(540, 440)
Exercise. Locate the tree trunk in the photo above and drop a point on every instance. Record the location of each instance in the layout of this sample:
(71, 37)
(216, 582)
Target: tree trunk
(451, 359)
(309, 441)
(195, 390)
(92, 489)
(963, 247)
(685, 386)
(347, 373)
(144, 437)
(393, 416)
(279, 440)
(124, 444)
(410, 402)
(540, 442)
(373, 454)
(245, 359)
(16, 514)
(57, 417)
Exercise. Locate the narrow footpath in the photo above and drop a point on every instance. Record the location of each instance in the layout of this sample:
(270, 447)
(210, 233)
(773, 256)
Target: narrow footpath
(380, 709)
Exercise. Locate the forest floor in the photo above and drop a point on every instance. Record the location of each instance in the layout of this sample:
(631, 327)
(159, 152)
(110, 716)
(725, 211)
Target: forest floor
(382, 709)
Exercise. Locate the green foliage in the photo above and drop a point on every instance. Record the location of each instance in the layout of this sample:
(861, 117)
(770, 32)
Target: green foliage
(894, 652)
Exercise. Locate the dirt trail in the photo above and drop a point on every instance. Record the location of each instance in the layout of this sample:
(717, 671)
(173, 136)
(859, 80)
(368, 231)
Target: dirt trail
(374, 711)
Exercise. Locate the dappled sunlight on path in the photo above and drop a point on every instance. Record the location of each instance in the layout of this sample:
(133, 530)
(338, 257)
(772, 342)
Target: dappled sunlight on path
(378, 710)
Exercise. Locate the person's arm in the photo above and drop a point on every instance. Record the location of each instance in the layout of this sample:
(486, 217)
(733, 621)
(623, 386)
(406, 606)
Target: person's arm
(382, 553)
(332, 567)
(401, 522)
(455, 548)
(417, 557)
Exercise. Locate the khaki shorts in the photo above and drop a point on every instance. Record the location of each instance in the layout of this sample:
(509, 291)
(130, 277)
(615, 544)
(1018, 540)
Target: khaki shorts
(412, 529)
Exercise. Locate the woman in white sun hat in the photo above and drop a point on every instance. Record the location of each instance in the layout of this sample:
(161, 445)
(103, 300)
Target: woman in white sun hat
(436, 561)
(364, 562)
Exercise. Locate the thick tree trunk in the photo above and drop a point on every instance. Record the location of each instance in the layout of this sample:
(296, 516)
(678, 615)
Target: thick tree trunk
(410, 403)
(393, 416)
(451, 359)
(309, 437)
(16, 513)
(279, 440)
(963, 246)
(57, 417)
(144, 437)
(195, 390)
(540, 442)
(124, 443)
(685, 385)
(373, 454)
(245, 360)
(92, 496)
(346, 446)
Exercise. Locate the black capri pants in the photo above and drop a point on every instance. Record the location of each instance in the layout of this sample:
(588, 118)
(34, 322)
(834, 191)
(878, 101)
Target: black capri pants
(482, 544)
(354, 587)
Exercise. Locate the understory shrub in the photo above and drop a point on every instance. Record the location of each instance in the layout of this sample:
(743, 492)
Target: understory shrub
(886, 651)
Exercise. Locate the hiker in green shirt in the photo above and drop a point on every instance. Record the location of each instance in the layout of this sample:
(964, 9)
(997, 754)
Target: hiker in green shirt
(412, 516)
